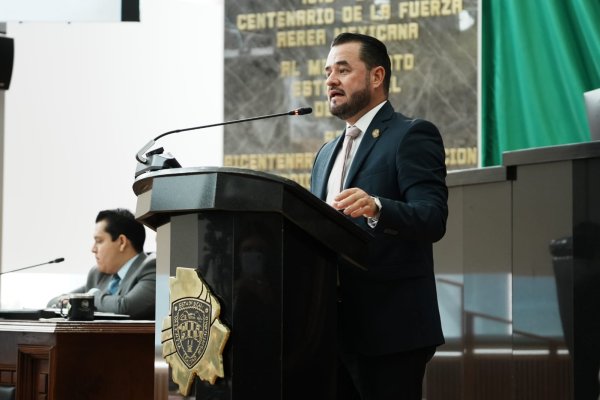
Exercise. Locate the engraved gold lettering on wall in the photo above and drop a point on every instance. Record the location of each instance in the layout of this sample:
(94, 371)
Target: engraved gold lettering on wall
(384, 32)
(275, 163)
(461, 157)
(302, 38)
(285, 19)
(429, 8)
(294, 36)
(270, 162)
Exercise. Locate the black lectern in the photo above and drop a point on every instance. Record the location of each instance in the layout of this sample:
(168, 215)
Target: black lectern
(268, 249)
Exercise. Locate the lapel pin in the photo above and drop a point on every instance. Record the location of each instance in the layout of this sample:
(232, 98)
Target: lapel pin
(375, 133)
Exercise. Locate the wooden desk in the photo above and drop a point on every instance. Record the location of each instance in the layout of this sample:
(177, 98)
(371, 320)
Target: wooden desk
(62, 360)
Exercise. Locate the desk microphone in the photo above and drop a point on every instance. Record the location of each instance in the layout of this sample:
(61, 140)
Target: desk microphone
(155, 160)
(55, 261)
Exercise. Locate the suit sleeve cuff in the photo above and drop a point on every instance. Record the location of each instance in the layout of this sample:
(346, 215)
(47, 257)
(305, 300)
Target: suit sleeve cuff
(372, 221)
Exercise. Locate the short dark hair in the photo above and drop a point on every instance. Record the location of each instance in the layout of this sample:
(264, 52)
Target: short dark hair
(372, 52)
(122, 222)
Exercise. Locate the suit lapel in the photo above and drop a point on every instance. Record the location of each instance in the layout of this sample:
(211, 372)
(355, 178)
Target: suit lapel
(329, 155)
(379, 123)
(141, 257)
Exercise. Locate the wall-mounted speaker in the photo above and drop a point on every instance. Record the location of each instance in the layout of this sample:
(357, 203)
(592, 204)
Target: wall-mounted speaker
(7, 55)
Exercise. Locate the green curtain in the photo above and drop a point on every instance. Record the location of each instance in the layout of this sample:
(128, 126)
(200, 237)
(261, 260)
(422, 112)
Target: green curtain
(538, 57)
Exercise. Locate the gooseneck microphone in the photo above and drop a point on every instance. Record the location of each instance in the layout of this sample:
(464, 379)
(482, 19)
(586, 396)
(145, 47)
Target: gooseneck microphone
(142, 159)
(55, 261)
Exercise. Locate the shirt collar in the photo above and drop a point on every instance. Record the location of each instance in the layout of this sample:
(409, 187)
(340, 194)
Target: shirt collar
(364, 121)
(125, 268)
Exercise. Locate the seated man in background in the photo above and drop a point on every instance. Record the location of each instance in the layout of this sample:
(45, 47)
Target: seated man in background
(124, 279)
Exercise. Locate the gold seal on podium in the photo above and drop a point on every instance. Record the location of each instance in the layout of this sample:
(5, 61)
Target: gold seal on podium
(193, 337)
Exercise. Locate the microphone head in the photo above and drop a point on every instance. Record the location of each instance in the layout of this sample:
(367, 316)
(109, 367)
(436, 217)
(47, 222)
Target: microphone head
(58, 260)
(301, 111)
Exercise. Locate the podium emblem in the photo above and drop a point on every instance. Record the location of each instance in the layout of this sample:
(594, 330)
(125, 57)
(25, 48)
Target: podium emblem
(193, 337)
(190, 319)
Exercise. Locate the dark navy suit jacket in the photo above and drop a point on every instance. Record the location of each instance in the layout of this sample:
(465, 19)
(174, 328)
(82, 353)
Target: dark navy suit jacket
(393, 306)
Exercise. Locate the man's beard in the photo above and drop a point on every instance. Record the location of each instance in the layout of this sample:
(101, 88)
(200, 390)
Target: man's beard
(354, 105)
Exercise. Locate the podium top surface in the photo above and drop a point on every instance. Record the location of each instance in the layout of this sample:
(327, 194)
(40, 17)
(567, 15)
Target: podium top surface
(165, 193)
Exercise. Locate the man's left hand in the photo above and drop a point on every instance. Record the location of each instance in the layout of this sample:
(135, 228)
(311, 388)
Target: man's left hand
(356, 203)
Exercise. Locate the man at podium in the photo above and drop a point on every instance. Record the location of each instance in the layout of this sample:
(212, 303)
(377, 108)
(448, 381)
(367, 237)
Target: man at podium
(388, 173)
(124, 278)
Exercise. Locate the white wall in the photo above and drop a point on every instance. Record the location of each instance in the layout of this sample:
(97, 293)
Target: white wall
(84, 98)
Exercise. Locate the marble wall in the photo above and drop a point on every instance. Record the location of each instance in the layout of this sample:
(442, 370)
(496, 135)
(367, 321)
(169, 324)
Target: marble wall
(274, 62)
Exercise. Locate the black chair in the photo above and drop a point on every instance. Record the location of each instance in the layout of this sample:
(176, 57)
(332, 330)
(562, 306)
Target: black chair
(7, 392)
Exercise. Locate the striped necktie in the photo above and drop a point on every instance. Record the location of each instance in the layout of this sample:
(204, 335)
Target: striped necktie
(351, 134)
(341, 165)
